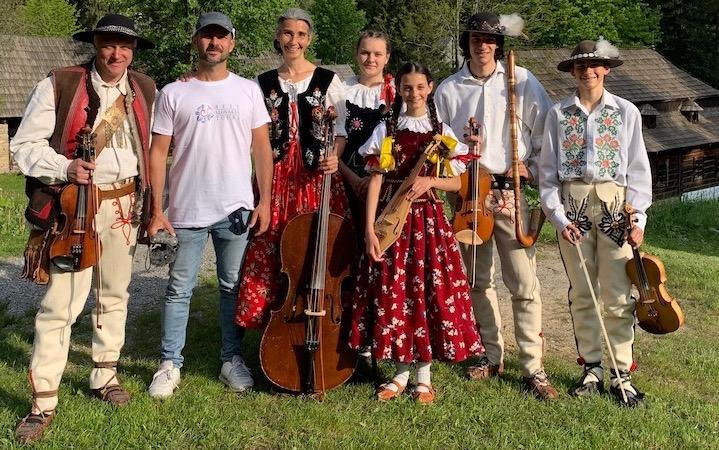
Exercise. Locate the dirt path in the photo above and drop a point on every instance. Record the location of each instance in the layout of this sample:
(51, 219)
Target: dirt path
(147, 290)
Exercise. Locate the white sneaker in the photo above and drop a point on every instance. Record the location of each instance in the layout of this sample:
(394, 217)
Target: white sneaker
(165, 380)
(236, 375)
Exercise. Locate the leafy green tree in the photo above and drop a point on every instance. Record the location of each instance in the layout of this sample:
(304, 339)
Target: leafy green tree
(49, 18)
(421, 30)
(338, 23)
(11, 18)
(170, 23)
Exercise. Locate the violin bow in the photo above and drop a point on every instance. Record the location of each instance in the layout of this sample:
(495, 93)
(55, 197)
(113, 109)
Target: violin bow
(92, 189)
(583, 263)
(474, 131)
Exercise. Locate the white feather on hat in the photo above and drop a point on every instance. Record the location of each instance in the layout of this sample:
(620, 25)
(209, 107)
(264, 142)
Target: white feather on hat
(606, 50)
(512, 24)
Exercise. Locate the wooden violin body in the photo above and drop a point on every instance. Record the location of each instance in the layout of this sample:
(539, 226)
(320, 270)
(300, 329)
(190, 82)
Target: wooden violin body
(75, 245)
(657, 312)
(391, 220)
(473, 222)
(283, 354)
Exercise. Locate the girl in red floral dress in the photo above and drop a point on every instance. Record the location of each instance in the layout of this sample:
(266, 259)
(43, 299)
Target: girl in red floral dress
(412, 304)
(296, 95)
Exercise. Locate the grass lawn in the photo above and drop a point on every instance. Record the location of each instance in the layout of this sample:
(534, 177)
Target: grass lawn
(679, 373)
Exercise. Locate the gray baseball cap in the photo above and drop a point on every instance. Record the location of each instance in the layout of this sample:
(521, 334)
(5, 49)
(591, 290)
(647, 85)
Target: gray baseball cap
(214, 18)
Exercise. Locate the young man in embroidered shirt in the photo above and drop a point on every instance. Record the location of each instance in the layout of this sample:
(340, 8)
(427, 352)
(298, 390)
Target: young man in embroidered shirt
(479, 90)
(218, 124)
(593, 162)
(115, 102)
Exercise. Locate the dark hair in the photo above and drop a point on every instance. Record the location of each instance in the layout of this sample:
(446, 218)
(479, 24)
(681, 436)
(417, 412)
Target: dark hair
(374, 34)
(406, 69)
(464, 45)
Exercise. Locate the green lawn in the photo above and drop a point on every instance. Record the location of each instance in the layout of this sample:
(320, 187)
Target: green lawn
(679, 373)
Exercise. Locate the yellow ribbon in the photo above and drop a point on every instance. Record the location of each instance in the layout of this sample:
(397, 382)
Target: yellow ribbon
(435, 158)
(386, 160)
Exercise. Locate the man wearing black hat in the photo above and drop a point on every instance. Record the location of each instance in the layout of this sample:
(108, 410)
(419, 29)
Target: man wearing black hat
(479, 90)
(115, 103)
(217, 122)
(593, 163)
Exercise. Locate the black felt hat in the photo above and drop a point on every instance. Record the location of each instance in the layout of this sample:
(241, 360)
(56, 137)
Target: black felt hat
(600, 50)
(114, 24)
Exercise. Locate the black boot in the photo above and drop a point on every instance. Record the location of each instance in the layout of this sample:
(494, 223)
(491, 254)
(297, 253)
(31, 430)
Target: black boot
(591, 382)
(634, 397)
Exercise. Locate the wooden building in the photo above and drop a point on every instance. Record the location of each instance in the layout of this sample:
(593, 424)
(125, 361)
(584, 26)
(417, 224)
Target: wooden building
(25, 60)
(680, 113)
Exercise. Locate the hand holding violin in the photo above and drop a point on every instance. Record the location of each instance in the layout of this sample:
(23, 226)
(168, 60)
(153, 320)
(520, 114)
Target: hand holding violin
(329, 164)
(79, 171)
(636, 236)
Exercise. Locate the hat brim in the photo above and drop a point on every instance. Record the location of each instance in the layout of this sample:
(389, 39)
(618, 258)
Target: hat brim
(89, 37)
(567, 64)
(493, 33)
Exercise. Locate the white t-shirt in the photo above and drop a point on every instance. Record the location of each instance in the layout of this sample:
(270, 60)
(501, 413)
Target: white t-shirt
(211, 123)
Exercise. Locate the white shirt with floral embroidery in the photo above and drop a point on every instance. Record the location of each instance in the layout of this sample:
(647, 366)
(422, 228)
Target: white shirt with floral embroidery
(605, 144)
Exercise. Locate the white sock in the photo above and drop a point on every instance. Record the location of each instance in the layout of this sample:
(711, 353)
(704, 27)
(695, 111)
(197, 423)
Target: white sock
(401, 377)
(423, 376)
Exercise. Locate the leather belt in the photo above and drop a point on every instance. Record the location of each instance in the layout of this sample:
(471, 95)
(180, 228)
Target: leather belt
(122, 191)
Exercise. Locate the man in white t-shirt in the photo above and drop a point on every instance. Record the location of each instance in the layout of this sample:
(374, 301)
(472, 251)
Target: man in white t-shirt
(217, 122)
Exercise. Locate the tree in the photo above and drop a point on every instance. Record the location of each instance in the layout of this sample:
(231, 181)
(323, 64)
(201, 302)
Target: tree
(170, 23)
(11, 18)
(49, 18)
(337, 24)
(421, 30)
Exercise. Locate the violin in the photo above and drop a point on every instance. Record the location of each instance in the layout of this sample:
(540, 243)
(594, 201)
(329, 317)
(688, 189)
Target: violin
(657, 312)
(75, 245)
(390, 222)
(473, 222)
(304, 348)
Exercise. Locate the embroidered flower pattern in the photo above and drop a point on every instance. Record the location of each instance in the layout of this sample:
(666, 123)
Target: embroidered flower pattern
(272, 103)
(573, 159)
(607, 144)
(614, 221)
(577, 213)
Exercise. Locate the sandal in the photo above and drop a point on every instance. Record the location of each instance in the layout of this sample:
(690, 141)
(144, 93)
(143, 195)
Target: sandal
(484, 370)
(424, 398)
(113, 394)
(385, 393)
(31, 428)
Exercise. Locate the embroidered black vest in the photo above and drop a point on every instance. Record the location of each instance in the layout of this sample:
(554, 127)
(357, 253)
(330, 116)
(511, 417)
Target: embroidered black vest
(359, 125)
(310, 110)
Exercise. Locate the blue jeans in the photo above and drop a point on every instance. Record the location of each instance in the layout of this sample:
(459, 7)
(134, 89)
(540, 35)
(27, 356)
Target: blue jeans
(230, 251)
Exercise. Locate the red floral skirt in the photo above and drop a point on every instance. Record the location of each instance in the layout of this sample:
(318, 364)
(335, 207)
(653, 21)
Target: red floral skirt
(415, 305)
(294, 191)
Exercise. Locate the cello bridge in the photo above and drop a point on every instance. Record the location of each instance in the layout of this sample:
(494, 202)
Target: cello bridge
(309, 312)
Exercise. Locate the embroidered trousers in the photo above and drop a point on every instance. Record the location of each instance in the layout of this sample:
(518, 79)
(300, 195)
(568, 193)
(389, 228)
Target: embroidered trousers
(518, 265)
(597, 209)
(66, 297)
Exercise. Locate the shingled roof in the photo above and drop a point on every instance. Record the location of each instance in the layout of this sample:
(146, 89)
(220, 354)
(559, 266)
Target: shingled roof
(25, 60)
(645, 76)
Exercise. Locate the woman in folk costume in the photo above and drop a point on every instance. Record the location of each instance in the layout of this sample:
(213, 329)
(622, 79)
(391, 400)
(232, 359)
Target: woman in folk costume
(368, 97)
(421, 309)
(593, 162)
(297, 94)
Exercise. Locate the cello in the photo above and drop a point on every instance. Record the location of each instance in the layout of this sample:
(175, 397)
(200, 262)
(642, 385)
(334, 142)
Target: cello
(304, 347)
(657, 312)
(473, 222)
(75, 245)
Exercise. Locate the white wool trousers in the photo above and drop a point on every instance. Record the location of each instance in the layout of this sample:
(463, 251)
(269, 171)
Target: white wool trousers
(66, 297)
(597, 209)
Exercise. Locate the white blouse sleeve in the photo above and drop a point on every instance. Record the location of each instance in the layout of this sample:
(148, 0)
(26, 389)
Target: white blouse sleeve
(550, 186)
(639, 175)
(336, 97)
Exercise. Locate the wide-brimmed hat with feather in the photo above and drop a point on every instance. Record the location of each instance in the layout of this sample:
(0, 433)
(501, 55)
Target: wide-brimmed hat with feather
(600, 50)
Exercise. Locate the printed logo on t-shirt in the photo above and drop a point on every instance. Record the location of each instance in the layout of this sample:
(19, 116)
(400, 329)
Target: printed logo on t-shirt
(204, 113)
